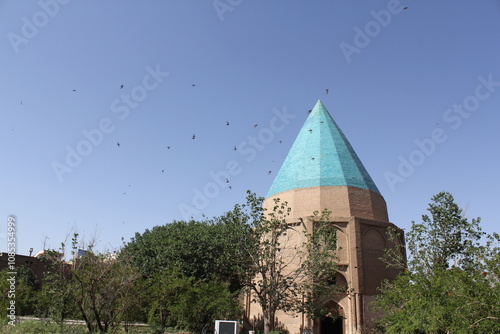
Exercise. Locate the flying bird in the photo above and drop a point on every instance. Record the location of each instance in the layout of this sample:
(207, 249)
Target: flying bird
(162, 171)
(168, 147)
(405, 7)
(193, 85)
(74, 90)
(309, 111)
(227, 180)
(280, 141)
(227, 123)
(118, 144)
(269, 172)
(121, 86)
(230, 187)
(194, 136)
(255, 125)
(310, 130)
(326, 90)
(235, 148)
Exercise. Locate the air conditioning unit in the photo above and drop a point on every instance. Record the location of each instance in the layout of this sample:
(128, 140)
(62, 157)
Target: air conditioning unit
(226, 327)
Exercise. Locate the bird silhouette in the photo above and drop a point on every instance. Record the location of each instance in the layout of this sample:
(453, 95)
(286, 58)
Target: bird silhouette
(326, 90)
(194, 136)
(193, 85)
(162, 171)
(310, 130)
(118, 144)
(309, 111)
(280, 141)
(230, 187)
(168, 147)
(255, 125)
(269, 172)
(227, 123)
(74, 90)
(21, 102)
(227, 180)
(121, 86)
(235, 148)
(405, 7)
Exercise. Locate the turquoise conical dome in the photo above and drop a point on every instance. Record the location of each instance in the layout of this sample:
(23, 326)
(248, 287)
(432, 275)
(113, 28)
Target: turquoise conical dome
(321, 156)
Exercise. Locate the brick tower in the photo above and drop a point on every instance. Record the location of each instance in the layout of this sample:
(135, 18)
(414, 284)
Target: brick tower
(322, 171)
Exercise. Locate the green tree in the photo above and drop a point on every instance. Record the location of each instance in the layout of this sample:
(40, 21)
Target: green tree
(24, 293)
(104, 290)
(26, 290)
(320, 267)
(450, 283)
(56, 299)
(161, 291)
(183, 259)
(283, 270)
(202, 302)
(203, 250)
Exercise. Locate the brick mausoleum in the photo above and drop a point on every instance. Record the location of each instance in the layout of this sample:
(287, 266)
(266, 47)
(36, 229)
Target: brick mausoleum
(323, 171)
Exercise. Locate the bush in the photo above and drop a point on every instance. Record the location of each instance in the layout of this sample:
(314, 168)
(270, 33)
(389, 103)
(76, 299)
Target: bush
(42, 327)
(50, 327)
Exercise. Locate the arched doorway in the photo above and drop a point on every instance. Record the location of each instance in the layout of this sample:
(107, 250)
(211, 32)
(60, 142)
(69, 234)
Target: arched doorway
(333, 323)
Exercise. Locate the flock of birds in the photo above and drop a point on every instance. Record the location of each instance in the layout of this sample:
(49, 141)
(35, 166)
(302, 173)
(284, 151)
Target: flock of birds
(234, 148)
(193, 137)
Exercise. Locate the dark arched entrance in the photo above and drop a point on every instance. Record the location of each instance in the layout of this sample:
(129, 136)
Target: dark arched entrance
(334, 322)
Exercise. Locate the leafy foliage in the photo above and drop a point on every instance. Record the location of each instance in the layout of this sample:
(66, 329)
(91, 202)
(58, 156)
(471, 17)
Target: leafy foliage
(203, 250)
(202, 302)
(24, 294)
(451, 281)
(282, 268)
(104, 290)
(189, 266)
(56, 298)
(42, 327)
(319, 267)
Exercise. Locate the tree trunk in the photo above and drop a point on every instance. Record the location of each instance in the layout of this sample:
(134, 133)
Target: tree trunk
(268, 318)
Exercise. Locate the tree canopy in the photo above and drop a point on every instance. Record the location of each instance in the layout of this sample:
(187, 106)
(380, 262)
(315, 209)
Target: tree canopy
(450, 283)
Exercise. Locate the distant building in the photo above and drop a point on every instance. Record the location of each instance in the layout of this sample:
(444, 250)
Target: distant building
(36, 265)
(322, 171)
(79, 253)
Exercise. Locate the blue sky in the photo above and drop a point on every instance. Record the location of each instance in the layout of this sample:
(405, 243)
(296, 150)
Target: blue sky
(416, 91)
